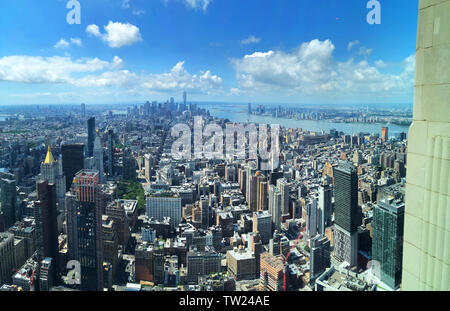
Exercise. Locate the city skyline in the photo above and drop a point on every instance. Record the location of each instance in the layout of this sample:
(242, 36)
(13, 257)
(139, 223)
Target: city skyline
(224, 146)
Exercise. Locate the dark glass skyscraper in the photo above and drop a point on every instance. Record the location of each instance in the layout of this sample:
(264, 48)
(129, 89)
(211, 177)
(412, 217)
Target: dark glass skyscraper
(72, 161)
(110, 152)
(387, 243)
(8, 197)
(347, 217)
(320, 255)
(45, 216)
(91, 136)
(346, 197)
(86, 212)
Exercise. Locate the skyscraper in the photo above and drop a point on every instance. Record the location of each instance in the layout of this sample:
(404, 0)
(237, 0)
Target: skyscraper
(98, 157)
(45, 216)
(257, 249)
(147, 108)
(311, 217)
(204, 206)
(271, 272)
(346, 213)
(320, 255)
(72, 161)
(8, 199)
(250, 172)
(110, 152)
(184, 98)
(325, 208)
(385, 133)
(263, 202)
(426, 250)
(84, 203)
(262, 224)
(283, 186)
(47, 274)
(387, 242)
(83, 110)
(275, 201)
(6, 257)
(242, 179)
(253, 192)
(162, 205)
(346, 197)
(148, 166)
(51, 170)
(91, 136)
(129, 167)
(110, 243)
(72, 225)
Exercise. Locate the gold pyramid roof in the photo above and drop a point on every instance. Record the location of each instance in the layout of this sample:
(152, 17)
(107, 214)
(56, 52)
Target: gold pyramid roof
(49, 158)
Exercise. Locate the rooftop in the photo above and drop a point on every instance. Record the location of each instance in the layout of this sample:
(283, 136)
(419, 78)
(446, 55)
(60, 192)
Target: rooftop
(272, 261)
(4, 236)
(86, 173)
(396, 206)
(241, 254)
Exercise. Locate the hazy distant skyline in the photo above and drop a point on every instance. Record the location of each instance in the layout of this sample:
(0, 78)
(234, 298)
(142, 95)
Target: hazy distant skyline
(231, 51)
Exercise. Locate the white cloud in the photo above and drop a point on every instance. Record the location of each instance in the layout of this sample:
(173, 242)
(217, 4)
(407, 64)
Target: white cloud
(198, 4)
(311, 69)
(117, 62)
(351, 44)
(96, 73)
(380, 63)
(250, 39)
(43, 94)
(309, 63)
(259, 55)
(122, 78)
(61, 44)
(126, 4)
(56, 69)
(235, 91)
(76, 41)
(93, 30)
(362, 50)
(365, 51)
(116, 34)
(138, 12)
(194, 4)
(177, 79)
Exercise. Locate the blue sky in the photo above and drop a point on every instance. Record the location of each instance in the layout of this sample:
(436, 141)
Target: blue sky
(293, 51)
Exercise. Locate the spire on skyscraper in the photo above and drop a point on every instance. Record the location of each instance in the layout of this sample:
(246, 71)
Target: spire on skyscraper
(49, 159)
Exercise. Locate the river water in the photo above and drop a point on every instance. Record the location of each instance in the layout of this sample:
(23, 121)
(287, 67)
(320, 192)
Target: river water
(238, 113)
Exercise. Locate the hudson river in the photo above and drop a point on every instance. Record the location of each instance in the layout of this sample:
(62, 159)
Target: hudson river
(238, 113)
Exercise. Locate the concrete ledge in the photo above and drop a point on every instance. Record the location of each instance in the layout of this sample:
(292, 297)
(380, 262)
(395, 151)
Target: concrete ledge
(426, 3)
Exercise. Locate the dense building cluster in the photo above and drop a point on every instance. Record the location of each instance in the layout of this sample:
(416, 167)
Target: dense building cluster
(95, 200)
